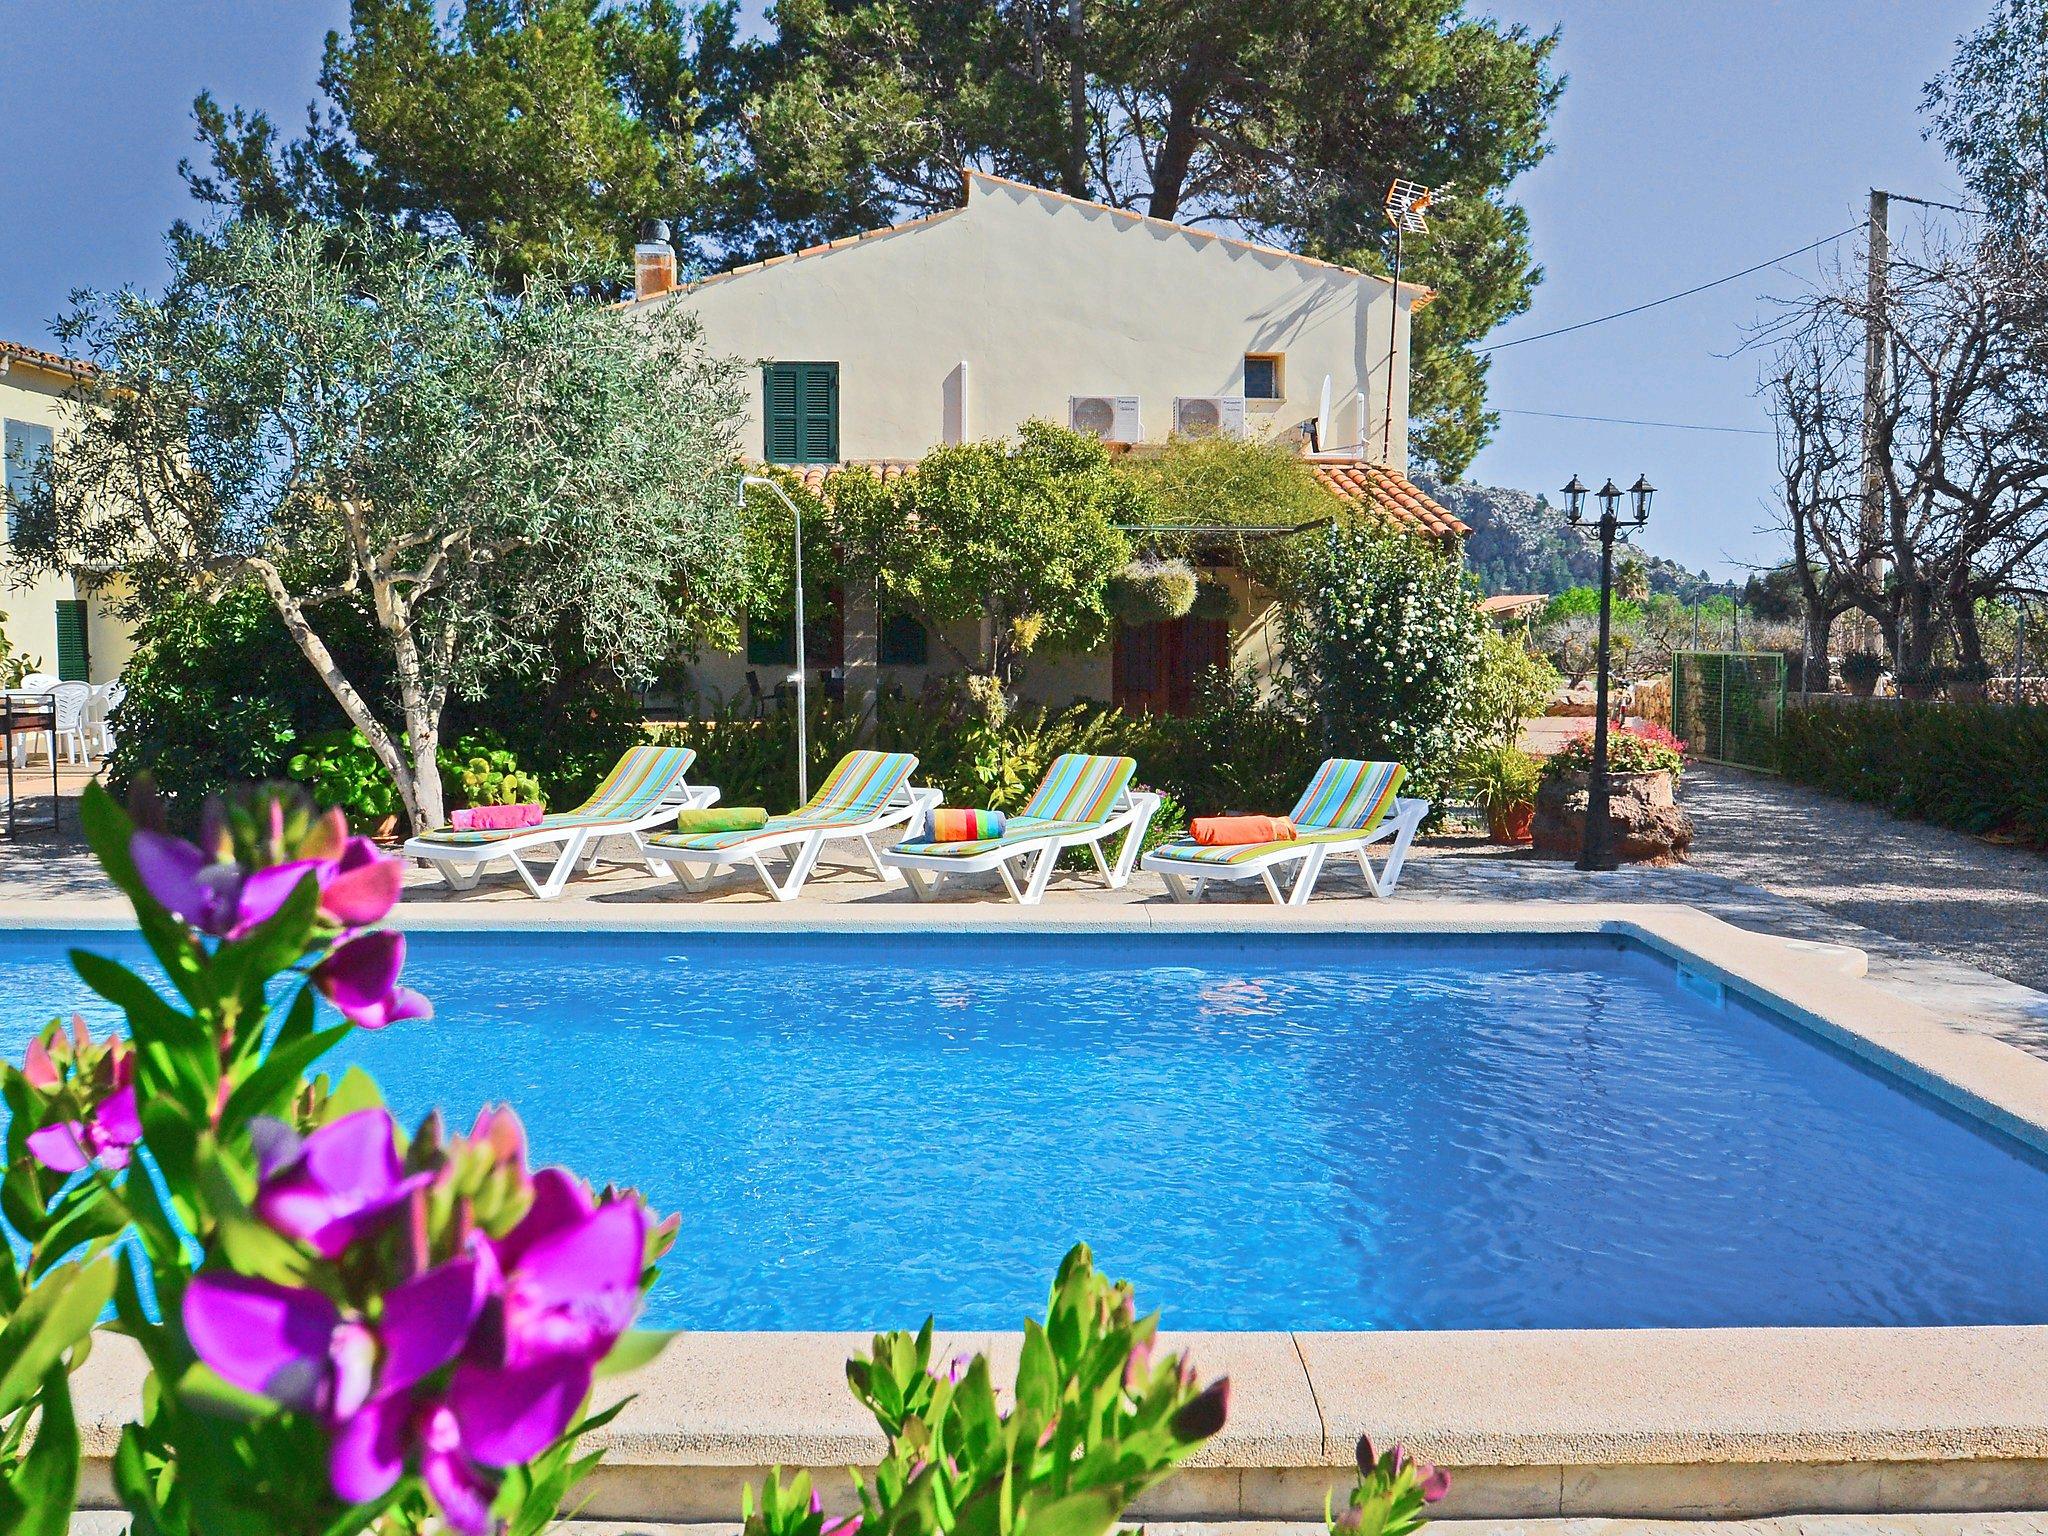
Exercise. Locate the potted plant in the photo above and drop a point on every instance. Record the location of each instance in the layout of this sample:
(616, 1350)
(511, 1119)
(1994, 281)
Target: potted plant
(1861, 670)
(1502, 781)
(1967, 682)
(1918, 682)
(1646, 757)
(1214, 600)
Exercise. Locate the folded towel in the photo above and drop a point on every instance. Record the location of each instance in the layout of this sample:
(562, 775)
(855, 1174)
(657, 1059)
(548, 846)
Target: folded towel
(496, 818)
(722, 818)
(965, 826)
(1232, 831)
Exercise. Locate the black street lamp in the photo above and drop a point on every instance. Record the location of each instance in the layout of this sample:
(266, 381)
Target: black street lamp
(1597, 851)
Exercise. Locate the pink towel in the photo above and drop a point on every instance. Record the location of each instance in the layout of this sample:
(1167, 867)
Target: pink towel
(496, 818)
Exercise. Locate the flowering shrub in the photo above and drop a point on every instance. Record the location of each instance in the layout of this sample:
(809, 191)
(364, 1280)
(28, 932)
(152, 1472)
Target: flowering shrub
(420, 1316)
(1645, 748)
(1383, 640)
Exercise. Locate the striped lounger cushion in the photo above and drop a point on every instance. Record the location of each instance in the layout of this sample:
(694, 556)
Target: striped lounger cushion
(630, 791)
(854, 792)
(1078, 794)
(1346, 799)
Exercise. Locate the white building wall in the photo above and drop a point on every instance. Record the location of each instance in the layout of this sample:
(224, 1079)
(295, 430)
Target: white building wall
(28, 613)
(966, 324)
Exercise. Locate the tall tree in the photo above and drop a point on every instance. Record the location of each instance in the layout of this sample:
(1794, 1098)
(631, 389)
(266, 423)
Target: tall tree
(1989, 109)
(358, 420)
(1283, 119)
(526, 127)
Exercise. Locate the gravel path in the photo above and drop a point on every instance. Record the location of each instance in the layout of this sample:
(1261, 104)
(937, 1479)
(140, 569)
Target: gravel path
(1960, 896)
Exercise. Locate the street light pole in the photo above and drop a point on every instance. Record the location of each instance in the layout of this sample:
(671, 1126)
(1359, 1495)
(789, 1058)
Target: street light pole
(803, 745)
(1596, 851)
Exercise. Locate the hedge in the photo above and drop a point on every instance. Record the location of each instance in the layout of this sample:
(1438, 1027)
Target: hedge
(1974, 767)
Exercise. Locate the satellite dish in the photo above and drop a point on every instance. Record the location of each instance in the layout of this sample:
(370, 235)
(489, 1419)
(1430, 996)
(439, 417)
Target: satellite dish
(1323, 415)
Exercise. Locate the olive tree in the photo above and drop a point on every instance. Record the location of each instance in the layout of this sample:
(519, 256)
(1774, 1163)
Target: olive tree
(353, 418)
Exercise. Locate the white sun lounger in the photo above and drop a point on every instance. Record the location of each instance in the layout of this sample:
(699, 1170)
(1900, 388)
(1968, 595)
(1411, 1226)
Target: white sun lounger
(867, 794)
(1348, 807)
(648, 788)
(1083, 801)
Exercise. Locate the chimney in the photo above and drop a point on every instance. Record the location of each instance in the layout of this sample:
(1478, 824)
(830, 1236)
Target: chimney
(654, 261)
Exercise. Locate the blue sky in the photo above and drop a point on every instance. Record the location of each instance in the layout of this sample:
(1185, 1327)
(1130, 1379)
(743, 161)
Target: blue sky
(1694, 140)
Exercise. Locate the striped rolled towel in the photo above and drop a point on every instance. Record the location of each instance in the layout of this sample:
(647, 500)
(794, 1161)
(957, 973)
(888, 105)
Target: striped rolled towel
(496, 818)
(965, 826)
(1237, 831)
(721, 818)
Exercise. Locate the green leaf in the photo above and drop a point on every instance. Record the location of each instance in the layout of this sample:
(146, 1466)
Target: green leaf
(55, 1315)
(356, 1090)
(266, 1089)
(635, 1349)
(205, 1391)
(40, 1495)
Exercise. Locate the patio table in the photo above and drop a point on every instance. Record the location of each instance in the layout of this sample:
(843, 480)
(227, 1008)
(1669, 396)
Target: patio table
(21, 714)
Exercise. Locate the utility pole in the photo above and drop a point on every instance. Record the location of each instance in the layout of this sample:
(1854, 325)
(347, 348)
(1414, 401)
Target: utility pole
(1877, 281)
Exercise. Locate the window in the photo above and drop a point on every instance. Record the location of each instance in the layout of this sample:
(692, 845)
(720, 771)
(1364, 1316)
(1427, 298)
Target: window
(27, 450)
(800, 413)
(903, 642)
(1262, 376)
(73, 664)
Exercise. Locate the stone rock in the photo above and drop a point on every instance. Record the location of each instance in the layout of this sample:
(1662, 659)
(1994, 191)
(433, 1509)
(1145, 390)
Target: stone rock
(1644, 821)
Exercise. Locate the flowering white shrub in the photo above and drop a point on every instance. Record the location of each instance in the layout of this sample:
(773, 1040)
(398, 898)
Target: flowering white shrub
(1384, 637)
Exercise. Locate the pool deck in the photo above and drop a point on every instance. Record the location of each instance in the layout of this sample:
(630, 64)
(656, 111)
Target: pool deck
(1566, 1432)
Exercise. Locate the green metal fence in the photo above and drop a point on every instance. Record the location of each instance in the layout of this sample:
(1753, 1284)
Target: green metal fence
(1729, 707)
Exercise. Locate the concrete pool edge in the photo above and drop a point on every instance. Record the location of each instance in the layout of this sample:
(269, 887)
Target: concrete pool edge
(1724, 1423)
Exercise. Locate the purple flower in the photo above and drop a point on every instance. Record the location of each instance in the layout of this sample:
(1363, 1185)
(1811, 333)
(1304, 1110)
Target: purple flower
(112, 1123)
(361, 886)
(338, 1183)
(360, 978)
(221, 897)
(572, 1271)
(297, 1347)
(1433, 1481)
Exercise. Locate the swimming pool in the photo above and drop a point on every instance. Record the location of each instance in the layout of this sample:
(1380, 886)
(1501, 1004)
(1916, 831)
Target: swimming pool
(1262, 1131)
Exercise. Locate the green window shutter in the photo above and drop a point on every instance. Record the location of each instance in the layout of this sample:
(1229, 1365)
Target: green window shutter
(800, 413)
(779, 388)
(73, 665)
(820, 422)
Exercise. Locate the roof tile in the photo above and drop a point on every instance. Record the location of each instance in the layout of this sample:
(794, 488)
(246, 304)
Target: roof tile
(1389, 490)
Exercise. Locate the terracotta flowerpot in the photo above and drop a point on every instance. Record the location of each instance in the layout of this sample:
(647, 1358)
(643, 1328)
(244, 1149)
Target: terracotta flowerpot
(1512, 823)
(1862, 687)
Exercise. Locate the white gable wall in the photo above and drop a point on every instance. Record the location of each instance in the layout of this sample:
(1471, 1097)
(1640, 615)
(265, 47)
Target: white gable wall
(1043, 298)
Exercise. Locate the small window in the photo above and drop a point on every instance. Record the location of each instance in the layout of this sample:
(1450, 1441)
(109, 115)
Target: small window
(27, 446)
(903, 642)
(1262, 376)
(800, 413)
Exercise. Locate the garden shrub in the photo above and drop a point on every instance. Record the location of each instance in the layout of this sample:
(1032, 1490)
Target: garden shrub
(1630, 749)
(1510, 683)
(1151, 591)
(340, 768)
(217, 695)
(1383, 640)
(1973, 767)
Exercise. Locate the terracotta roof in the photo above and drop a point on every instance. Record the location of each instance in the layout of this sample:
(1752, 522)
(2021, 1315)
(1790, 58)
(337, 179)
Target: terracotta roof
(1513, 604)
(1422, 294)
(49, 362)
(1389, 490)
(814, 476)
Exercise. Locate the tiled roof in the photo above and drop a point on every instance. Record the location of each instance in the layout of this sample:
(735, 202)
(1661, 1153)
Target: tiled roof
(814, 476)
(49, 362)
(1422, 294)
(1513, 604)
(1389, 490)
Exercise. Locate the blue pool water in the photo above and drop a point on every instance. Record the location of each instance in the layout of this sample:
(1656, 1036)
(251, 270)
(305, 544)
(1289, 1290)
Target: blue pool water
(1274, 1132)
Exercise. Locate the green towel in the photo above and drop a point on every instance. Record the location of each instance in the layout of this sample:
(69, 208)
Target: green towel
(722, 818)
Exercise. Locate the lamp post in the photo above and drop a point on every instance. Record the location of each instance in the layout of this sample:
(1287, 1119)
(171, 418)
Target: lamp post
(803, 746)
(1597, 851)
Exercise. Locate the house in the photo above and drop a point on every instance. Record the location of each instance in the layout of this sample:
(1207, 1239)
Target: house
(1024, 303)
(57, 624)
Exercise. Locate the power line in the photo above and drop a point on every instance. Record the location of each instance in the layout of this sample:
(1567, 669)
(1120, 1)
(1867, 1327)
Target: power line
(1669, 298)
(1630, 421)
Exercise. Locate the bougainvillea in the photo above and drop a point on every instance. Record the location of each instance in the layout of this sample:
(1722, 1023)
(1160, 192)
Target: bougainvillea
(1645, 748)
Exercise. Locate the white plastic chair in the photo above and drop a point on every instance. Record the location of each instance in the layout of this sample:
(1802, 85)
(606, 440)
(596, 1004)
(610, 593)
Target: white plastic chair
(98, 724)
(72, 699)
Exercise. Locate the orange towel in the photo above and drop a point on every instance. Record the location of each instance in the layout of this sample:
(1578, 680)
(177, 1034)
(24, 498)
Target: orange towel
(1231, 831)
